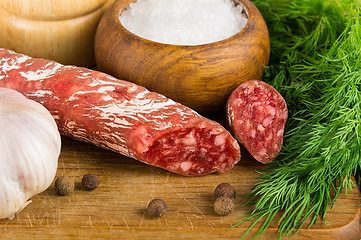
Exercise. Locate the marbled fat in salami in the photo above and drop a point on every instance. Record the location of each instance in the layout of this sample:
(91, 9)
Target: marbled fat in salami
(257, 114)
(121, 116)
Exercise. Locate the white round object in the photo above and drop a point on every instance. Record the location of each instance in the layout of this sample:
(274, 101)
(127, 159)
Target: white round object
(30, 146)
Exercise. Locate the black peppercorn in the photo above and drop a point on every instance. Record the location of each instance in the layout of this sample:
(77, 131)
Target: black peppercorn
(223, 206)
(224, 189)
(90, 181)
(64, 185)
(157, 208)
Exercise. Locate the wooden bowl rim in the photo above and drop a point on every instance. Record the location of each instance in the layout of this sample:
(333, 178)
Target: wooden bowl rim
(251, 11)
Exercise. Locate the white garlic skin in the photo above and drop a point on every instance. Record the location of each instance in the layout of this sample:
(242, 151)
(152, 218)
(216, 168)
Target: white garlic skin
(29, 150)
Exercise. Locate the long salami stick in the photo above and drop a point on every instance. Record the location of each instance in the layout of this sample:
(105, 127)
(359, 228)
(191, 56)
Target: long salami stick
(121, 116)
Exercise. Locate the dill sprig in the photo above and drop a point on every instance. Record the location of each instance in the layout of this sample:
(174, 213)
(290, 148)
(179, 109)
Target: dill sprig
(316, 65)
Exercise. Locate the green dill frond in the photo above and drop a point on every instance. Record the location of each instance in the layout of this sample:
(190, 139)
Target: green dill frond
(316, 65)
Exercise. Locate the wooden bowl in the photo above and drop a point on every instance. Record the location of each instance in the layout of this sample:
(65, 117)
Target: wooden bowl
(199, 76)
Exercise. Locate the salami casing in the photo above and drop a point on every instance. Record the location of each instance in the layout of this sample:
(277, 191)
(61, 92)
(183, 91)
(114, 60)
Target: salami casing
(257, 115)
(121, 116)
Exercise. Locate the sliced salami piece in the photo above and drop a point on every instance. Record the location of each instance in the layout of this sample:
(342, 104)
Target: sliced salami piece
(257, 115)
(121, 116)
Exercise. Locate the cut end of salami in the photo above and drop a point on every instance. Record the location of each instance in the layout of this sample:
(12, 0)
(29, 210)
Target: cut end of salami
(257, 114)
(195, 151)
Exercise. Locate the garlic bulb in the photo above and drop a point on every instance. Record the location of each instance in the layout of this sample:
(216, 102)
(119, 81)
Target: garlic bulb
(29, 150)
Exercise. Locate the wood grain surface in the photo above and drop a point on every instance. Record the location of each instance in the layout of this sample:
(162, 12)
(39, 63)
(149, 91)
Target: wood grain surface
(46, 10)
(199, 76)
(67, 40)
(117, 209)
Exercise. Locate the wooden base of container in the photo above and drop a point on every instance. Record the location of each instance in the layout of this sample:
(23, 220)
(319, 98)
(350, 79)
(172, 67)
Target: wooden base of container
(68, 41)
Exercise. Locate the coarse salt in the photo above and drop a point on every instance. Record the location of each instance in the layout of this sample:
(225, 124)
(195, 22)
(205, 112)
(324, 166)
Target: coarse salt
(184, 22)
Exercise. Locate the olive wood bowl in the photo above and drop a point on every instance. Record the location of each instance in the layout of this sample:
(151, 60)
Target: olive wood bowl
(199, 76)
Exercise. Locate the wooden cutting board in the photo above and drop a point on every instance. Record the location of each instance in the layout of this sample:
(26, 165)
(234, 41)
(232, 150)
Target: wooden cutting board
(117, 209)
